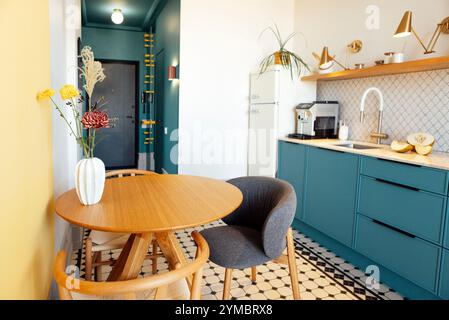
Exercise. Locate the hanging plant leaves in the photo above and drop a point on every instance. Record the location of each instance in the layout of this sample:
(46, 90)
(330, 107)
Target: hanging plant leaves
(289, 60)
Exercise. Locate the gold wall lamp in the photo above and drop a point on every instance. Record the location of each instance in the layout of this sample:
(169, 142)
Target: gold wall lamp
(405, 29)
(172, 73)
(355, 46)
(326, 58)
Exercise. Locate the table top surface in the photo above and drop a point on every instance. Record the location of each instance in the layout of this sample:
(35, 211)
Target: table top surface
(154, 203)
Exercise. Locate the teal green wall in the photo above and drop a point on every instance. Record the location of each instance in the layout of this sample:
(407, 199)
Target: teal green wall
(167, 31)
(119, 45)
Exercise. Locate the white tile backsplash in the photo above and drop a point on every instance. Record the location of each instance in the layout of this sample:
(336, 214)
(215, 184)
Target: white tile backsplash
(414, 102)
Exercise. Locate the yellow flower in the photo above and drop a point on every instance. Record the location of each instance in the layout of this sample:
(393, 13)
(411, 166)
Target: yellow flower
(69, 91)
(45, 94)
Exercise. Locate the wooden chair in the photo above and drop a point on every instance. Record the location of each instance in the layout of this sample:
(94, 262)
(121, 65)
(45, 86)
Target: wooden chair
(98, 241)
(171, 285)
(258, 231)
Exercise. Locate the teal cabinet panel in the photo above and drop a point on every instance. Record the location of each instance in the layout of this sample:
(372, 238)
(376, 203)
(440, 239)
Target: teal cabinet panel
(444, 276)
(412, 258)
(291, 168)
(422, 178)
(446, 232)
(418, 212)
(331, 193)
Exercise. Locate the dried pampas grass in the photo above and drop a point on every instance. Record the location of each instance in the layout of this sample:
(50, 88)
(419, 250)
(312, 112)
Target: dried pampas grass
(92, 71)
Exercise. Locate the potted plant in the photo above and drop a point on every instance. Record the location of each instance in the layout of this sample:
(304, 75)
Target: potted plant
(289, 60)
(90, 172)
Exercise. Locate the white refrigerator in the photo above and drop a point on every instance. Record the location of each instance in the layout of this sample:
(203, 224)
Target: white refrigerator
(273, 99)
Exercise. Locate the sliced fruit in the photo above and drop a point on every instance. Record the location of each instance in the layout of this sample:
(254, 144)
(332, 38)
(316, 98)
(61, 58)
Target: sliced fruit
(401, 147)
(421, 139)
(424, 150)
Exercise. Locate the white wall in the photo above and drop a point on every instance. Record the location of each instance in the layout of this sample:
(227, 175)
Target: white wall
(220, 47)
(337, 23)
(65, 27)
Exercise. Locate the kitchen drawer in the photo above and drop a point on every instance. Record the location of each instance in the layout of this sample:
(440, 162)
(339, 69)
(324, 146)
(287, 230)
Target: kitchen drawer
(412, 258)
(423, 178)
(444, 276)
(417, 212)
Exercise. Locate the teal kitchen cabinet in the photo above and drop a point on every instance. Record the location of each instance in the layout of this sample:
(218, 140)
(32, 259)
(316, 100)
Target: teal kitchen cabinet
(444, 278)
(412, 258)
(418, 212)
(291, 168)
(446, 233)
(374, 211)
(331, 193)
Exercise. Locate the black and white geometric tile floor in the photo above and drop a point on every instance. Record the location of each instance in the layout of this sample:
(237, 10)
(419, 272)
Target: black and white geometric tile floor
(322, 275)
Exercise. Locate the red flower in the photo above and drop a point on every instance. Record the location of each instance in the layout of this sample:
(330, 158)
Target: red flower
(95, 120)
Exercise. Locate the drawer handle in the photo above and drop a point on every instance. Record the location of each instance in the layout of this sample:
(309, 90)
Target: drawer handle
(397, 184)
(394, 229)
(331, 150)
(402, 163)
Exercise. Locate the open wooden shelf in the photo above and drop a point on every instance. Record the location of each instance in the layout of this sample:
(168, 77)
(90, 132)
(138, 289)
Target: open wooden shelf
(383, 70)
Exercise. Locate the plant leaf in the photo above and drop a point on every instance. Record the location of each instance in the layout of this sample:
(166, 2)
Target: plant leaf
(289, 60)
(289, 38)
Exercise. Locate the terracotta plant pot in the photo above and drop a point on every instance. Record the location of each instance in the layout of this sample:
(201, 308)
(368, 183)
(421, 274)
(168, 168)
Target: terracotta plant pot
(277, 58)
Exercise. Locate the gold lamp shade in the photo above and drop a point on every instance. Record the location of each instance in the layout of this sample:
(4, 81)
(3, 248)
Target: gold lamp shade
(405, 27)
(326, 60)
(325, 57)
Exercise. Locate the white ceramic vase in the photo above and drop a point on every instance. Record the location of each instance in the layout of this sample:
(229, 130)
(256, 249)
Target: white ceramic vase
(90, 175)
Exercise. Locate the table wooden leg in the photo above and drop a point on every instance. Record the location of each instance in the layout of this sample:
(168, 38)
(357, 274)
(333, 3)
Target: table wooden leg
(131, 258)
(170, 247)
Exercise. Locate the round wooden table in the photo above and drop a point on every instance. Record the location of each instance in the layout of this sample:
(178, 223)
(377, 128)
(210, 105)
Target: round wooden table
(151, 206)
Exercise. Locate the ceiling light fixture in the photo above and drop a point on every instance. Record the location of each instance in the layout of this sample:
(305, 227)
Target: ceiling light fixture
(117, 16)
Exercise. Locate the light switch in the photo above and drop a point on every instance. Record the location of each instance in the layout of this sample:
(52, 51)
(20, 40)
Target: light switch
(165, 130)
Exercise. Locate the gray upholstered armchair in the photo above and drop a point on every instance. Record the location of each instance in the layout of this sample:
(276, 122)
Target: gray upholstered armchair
(258, 231)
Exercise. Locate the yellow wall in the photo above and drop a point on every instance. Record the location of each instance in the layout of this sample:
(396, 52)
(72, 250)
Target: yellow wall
(26, 181)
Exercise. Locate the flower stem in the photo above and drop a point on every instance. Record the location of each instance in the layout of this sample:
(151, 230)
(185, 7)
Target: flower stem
(92, 147)
(63, 116)
(79, 139)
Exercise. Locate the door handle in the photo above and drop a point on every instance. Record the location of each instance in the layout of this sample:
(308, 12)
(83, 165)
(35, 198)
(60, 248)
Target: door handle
(129, 117)
(336, 151)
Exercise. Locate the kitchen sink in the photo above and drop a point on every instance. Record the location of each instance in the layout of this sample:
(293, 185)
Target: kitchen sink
(356, 146)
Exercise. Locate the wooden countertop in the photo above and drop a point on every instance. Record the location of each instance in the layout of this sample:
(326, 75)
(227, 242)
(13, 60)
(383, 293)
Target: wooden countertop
(437, 160)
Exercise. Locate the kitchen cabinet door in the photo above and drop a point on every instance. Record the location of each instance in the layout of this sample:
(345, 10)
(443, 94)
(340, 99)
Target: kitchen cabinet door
(444, 276)
(331, 193)
(446, 232)
(291, 168)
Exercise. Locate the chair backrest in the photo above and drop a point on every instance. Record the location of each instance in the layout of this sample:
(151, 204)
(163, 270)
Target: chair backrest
(269, 206)
(71, 288)
(128, 173)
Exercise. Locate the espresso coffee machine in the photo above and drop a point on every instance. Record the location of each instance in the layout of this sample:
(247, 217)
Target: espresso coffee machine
(317, 120)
